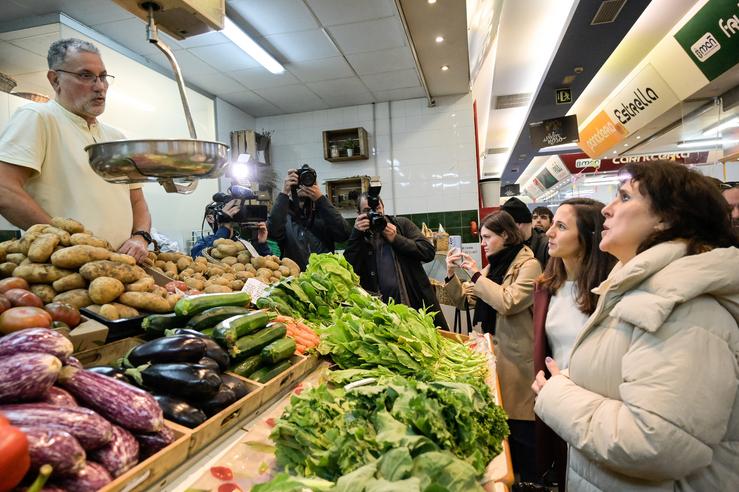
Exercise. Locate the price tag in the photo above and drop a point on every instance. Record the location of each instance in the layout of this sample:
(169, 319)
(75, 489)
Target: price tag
(256, 288)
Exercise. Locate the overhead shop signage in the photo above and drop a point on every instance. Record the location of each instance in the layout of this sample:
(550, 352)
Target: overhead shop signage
(711, 37)
(563, 96)
(587, 163)
(510, 190)
(579, 163)
(601, 134)
(554, 131)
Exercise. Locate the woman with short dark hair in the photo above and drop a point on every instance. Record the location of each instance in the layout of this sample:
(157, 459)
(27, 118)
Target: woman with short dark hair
(650, 401)
(504, 291)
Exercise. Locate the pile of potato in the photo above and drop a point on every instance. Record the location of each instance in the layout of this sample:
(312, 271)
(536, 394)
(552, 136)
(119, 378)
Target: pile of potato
(63, 262)
(235, 267)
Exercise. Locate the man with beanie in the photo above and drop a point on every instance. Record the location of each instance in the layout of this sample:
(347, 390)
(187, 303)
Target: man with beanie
(538, 242)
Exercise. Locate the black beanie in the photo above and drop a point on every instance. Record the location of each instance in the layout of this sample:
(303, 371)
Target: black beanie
(518, 210)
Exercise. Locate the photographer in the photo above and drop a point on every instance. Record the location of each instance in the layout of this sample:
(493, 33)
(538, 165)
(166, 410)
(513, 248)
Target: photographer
(302, 220)
(224, 229)
(388, 254)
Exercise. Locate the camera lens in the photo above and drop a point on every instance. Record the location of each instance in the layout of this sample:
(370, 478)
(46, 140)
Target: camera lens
(378, 222)
(307, 178)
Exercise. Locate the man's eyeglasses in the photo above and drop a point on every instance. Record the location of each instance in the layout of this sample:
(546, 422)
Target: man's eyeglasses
(90, 78)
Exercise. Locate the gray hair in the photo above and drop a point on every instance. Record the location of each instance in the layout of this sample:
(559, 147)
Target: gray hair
(58, 50)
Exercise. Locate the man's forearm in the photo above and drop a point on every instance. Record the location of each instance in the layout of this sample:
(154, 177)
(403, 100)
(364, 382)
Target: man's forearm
(141, 215)
(20, 209)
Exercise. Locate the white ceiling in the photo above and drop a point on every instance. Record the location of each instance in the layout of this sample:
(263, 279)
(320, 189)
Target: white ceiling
(369, 59)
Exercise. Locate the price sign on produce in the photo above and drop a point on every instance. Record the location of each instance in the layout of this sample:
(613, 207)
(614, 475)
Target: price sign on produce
(255, 288)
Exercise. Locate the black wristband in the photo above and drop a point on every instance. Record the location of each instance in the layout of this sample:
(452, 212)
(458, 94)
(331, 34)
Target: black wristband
(476, 276)
(147, 237)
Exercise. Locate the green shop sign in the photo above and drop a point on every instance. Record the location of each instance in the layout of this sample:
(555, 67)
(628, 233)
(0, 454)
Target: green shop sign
(711, 37)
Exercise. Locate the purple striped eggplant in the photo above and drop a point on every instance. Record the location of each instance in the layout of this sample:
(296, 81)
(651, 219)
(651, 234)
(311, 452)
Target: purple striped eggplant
(153, 443)
(36, 340)
(91, 430)
(54, 447)
(58, 396)
(27, 376)
(130, 407)
(92, 478)
(72, 361)
(120, 454)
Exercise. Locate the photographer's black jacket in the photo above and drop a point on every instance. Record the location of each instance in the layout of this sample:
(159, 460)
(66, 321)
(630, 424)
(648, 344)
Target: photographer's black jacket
(296, 241)
(411, 249)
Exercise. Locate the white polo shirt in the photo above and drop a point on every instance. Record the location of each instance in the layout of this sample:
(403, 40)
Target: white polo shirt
(51, 140)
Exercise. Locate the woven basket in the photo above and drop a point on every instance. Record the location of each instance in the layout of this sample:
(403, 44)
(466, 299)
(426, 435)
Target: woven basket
(6, 83)
(33, 96)
(207, 256)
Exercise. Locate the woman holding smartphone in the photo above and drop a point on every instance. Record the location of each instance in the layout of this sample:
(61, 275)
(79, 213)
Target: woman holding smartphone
(505, 290)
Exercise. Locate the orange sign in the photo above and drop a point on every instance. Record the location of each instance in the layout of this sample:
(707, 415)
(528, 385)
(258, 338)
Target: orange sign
(600, 135)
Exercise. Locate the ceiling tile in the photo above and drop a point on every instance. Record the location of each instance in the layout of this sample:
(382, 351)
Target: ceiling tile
(340, 87)
(30, 32)
(398, 79)
(251, 103)
(215, 83)
(323, 69)
(224, 57)
(92, 12)
(292, 98)
(131, 33)
(259, 78)
(17, 60)
(302, 106)
(340, 101)
(382, 60)
(274, 16)
(301, 46)
(15, 10)
(37, 44)
(207, 39)
(400, 94)
(189, 63)
(332, 12)
(369, 36)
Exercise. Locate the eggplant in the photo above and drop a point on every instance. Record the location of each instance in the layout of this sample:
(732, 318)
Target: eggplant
(36, 340)
(239, 388)
(27, 376)
(153, 443)
(180, 348)
(121, 403)
(221, 400)
(72, 361)
(184, 380)
(209, 363)
(213, 350)
(58, 396)
(181, 412)
(120, 454)
(112, 372)
(93, 477)
(185, 331)
(90, 429)
(55, 447)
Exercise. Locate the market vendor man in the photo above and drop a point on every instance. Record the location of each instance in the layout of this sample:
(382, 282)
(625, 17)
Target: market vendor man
(44, 170)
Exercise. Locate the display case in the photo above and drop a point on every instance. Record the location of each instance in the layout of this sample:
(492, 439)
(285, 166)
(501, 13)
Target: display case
(348, 144)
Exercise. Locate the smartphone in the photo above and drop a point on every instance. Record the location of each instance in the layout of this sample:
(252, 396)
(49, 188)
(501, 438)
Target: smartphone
(455, 242)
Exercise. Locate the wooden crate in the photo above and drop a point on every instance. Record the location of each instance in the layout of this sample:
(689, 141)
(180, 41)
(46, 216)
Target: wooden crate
(302, 365)
(150, 473)
(107, 354)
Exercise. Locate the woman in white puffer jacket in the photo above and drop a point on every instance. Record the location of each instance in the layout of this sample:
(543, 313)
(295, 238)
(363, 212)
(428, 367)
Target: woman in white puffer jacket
(650, 400)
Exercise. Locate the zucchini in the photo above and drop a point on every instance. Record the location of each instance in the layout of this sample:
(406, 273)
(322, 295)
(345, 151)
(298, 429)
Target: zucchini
(252, 344)
(231, 329)
(278, 350)
(191, 305)
(211, 317)
(266, 373)
(247, 366)
(156, 324)
(208, 332)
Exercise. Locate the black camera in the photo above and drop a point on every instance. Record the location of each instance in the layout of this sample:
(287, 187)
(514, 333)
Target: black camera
(306, 176)
(378, 222)
(247, 218)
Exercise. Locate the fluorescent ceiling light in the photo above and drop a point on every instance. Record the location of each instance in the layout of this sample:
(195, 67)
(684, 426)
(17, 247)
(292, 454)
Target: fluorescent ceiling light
(565, 146)
(709, 142)
(250, 47)
(439, 39)
(722, 125)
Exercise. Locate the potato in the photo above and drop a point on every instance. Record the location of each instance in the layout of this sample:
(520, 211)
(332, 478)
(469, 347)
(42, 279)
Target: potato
(76, 256)
(159, 290)
(217, 254)
(64, 237)
(160, 264)
(222, 240)
(238, 267)
(170, 256)
(44, 291)
(187, 272)
(200, 267)
(12, 246)
(264, 272)
(184, 263)
(80, 239)
(78, 298)
(271, 265)
(195, 283)
(215, 271)
(145, 301)
(285, 271)
(125, 311)
(173, 298)
(37, 228)
(244, 275)
(236, 285)
(276, 274)
(258, 262)
(244, 257)
(229, 260)
(69, 282)
(250, 268)
(273, 279)
(69, 225)
(16, 258)
(201, 260)
(105, 268)
(213, 289)
(228, 249)
(219, 280)
(95, 308)
(240, 246)
(144, 284)
(40, 273)
(294, 268)
(7, 268)
(23, 244)
(109, 311)
(122, 258)
(42, 248)
(170, 268)
(105, 289)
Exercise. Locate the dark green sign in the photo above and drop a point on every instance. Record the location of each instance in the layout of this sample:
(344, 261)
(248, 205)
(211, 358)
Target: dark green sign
(711, 37)
(564, 96)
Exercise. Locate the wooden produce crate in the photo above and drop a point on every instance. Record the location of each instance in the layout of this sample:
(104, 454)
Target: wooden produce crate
(107, 354)
(150, 473)
(281, 384)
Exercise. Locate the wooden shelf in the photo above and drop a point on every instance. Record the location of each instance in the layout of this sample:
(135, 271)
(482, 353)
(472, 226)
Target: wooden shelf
(337, 140)
(343, 193)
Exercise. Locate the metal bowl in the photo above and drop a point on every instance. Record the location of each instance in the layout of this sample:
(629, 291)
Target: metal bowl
(141, 161)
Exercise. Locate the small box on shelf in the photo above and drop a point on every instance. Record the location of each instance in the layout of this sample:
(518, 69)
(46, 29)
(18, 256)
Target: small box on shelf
(347, 144)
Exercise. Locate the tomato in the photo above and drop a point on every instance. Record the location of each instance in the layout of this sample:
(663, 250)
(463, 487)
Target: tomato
(222, 473)
(4, 303)
(18, 318)
(61, 311)
(229, 487)
(22, 297)
(175, 285)
(14, 457)
(12, 283)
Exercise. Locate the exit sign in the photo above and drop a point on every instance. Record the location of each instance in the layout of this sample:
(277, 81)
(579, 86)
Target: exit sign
(564, 96)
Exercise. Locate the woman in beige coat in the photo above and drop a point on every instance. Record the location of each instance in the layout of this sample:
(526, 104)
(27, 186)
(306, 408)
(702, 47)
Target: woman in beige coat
(650, 402)
(505, 293)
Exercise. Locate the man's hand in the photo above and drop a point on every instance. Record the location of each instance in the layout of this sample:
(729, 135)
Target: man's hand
(262, 232)
(312, 192)
(290, 181)
(231, 208)
(362, 223)
(390, 232)
(135, 246)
